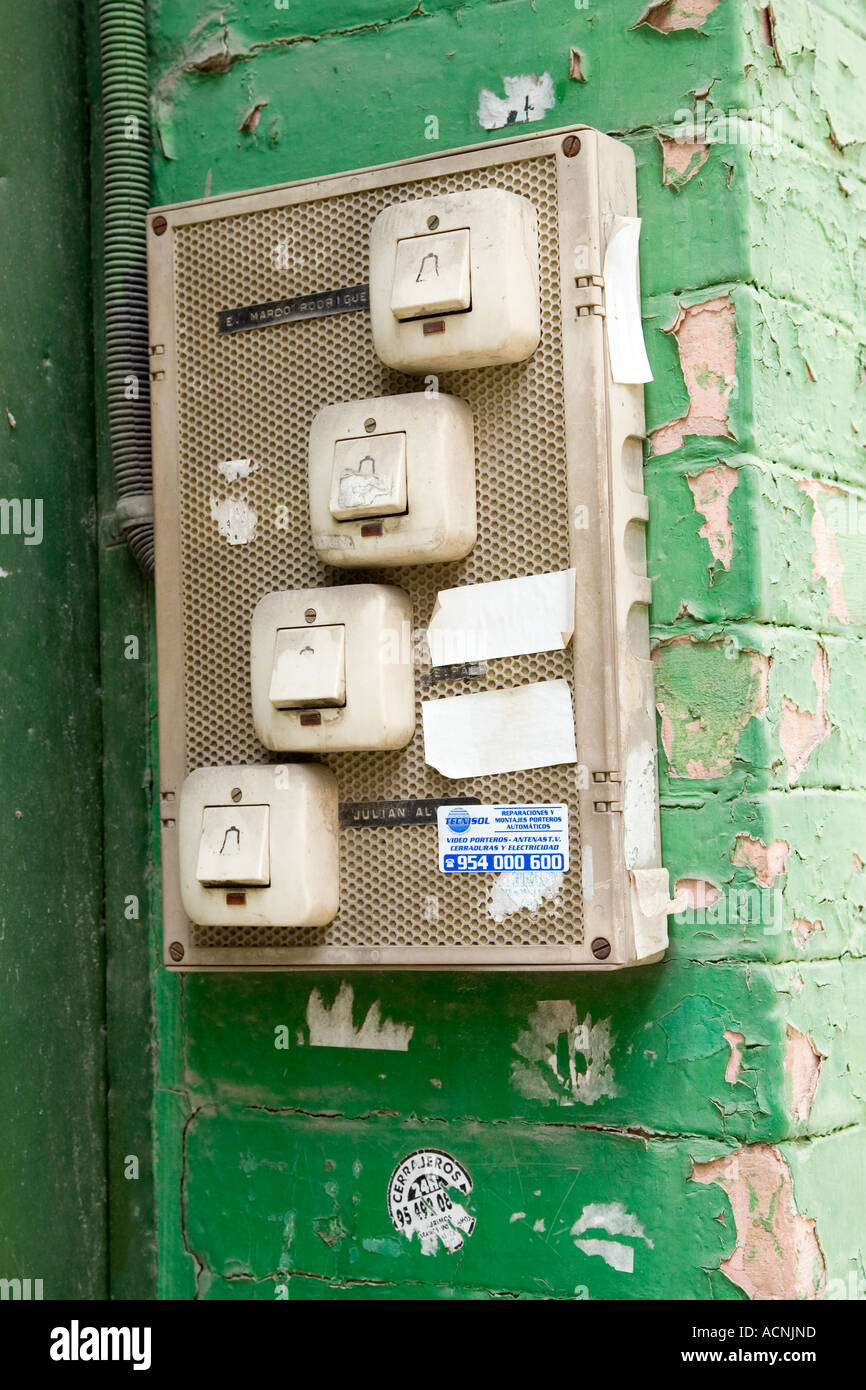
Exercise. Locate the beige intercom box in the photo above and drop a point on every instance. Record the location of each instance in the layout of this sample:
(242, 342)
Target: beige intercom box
(405, 695)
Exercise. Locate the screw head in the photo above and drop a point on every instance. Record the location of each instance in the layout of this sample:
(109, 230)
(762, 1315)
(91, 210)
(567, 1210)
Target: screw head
(370, 425)
(310, 615)
(432, 223)
(175, 950)
(159, 225)
(601, 948)
(571, 146)
(237, 794)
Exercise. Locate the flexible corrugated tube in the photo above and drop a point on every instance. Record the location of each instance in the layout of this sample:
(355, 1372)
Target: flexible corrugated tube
(123, 51)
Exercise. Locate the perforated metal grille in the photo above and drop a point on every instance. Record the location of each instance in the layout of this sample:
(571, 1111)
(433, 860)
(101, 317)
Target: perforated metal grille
(253, 396)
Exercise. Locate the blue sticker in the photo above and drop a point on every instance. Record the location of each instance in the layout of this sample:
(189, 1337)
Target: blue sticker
(500, 839)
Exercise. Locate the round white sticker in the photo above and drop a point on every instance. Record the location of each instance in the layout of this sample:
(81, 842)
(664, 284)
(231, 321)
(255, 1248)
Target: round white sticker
(421, 1200)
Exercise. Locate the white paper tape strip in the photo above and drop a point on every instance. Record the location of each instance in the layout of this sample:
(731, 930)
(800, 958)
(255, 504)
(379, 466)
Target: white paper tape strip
(629, 365)
(506, 617)
(500, 730)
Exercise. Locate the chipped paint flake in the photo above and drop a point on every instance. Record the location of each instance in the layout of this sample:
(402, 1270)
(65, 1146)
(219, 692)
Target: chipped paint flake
(527, 98)
(575, 65)
(333, 1027)
(735, 1061)
(614, 1253)
(235, 519)
(711, 491)
(250, 123)
(767, 861)
(681, 160)
(670, 16)
(706, 337)
(562, 1058)
(803, 1064)
(514, 891)
(801, 731)
(232, 469)
(777, 1255)
(826, 563)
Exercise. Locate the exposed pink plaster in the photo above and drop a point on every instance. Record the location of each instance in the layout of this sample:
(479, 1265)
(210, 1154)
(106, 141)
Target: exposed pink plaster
(667, 731)
(826, 563)
(803, 1065)
(857, 862)
(777, 1255)
(696, 894)
(797, 982)
(801, 731)
(681, 159)
(711, 491)
(575, 71)
(735, 1061)
(667, 16)
(802, 929)
(706, 336)
(767, 861)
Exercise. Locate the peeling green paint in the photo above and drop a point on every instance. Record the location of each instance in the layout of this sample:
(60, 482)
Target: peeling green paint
(585, 1090)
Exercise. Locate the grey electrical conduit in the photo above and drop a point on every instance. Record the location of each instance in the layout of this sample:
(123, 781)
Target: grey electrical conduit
(123, 53)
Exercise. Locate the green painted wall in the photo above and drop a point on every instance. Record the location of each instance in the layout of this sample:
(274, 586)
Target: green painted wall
(52, 1055)
(710, 1110)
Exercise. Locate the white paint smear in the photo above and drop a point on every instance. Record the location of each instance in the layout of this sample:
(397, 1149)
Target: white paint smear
(613, 1218)
(548, 1052)
(613, 1252)
(524, 726)
(333, 1027)
(235, 519)
(362, 489)
(629, 364)
(527, 98)
(506, 617)
(524, 888)
(232, 469)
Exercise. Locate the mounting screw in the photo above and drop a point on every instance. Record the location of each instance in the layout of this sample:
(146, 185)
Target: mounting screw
(601, 948)
(432, 223)
(571, 146)
(237, 794)
(370, 425)
(159, 225)
(175, 950)
(310, 615)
